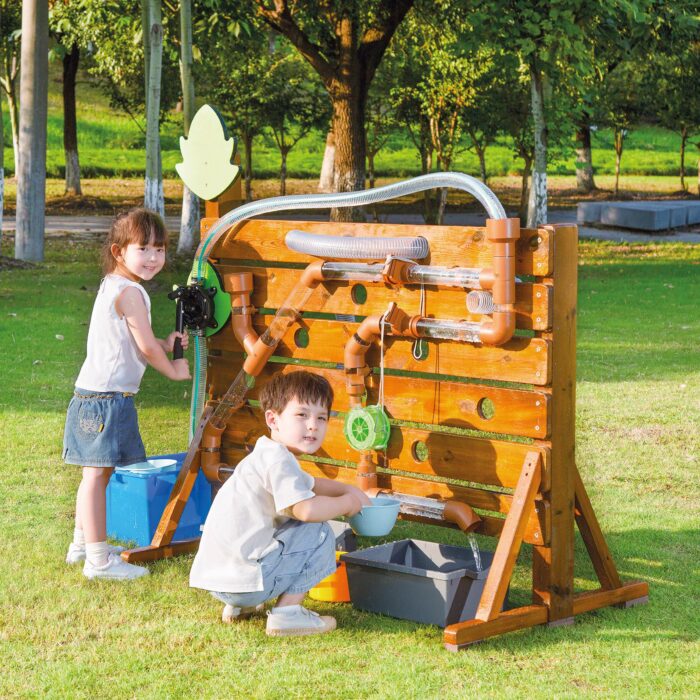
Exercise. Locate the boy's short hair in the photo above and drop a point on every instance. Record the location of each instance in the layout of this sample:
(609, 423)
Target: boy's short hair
(303, 386)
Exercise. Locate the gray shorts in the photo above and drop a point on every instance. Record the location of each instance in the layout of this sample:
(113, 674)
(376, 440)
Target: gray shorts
(102, 430)
(307, 556)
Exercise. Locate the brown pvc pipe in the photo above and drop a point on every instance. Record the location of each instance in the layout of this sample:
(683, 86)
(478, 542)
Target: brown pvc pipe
(503, 234)
(366, 472)
(210, 452)
(462, 515)
(240, 285)
(260, 351)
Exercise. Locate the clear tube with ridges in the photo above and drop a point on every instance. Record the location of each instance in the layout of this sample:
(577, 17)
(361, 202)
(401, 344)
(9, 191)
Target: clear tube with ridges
(356, 248)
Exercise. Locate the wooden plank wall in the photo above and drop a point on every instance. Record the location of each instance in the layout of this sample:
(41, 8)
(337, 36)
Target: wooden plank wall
(463, 418)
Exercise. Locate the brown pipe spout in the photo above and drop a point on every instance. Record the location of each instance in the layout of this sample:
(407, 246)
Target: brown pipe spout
(366, 472)
(210, 452)
(240, 285)
(462, 515)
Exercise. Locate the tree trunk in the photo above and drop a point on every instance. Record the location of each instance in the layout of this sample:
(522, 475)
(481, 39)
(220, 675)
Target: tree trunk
(154, 185)
(70, 127)
(481, 152)
(537, 205)
(325, 182)
(31, 180)
(348, 127)
(248, 170)
(370, 168)
(2, 171)
(684, 138)
(189, 216)
(13, 109)
(525, 190)
(584, 159)
(426, 165)
(619, 145)
(284, 151)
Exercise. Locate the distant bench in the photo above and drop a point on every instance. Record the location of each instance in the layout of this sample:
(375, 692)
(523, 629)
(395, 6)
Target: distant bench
(646, 216)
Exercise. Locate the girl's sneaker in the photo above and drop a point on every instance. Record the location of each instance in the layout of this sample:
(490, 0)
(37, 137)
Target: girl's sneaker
(76, 553)
(298, 622)
(115, 568)
(231, 613)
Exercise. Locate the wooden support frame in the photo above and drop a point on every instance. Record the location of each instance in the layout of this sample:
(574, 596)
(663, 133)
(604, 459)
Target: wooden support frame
(549, 481)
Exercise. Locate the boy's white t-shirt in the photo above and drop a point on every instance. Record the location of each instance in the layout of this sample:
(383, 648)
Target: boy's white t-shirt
(249, 507)
(113, 362)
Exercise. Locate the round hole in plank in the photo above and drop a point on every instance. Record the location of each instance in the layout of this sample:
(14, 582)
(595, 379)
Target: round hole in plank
(534, 242)
(301, 338)
(358, 294)
(419, 451)
(486, 409)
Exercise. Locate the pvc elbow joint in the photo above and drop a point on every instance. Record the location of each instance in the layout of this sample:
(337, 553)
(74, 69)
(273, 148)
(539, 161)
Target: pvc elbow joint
(462, 515)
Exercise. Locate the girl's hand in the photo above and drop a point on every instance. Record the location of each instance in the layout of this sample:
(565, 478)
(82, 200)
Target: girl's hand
(182, 370)
(169, 342)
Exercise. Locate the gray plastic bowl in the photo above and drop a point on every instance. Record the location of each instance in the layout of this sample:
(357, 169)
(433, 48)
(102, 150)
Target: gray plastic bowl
(376, 520)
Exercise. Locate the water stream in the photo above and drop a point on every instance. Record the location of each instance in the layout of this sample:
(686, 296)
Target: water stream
(475, 550)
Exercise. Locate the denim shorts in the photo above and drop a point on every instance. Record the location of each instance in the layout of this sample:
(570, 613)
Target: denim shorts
(102, 430)
(307, 556)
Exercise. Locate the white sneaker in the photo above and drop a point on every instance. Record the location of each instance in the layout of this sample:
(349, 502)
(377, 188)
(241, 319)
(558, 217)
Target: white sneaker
(76, 553)
(115, 568)
(231, 612)
(298, 623)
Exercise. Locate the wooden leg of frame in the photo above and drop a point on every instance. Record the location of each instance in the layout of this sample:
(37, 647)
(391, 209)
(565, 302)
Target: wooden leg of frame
(180, 493)
(635, 593)
(470, 632)
(151, 553)
(593, 537)
(497, 581)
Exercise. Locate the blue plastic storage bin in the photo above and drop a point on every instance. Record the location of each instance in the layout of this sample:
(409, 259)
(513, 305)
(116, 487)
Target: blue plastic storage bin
(135, 503)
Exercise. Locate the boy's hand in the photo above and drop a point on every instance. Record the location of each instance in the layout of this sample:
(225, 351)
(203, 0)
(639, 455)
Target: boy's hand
(359, 494)
(169, 342)
(182, 370)
(355, 505)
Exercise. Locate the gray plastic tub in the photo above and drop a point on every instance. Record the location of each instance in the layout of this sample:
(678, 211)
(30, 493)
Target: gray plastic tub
(436, 584)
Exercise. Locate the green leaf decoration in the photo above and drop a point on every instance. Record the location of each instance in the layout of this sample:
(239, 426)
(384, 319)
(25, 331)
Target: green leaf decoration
(207, 169)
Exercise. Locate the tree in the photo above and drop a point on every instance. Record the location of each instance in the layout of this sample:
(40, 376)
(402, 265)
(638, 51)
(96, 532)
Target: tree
(299, 105)
(153, 195)
(621, 107)
(546, 37)
(66, 27)
(344, 43)
(31, 178)
(189, 219)
(380, 118)
(10, 37)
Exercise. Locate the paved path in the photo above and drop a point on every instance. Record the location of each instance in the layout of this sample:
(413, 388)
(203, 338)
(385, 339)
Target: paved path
(100, 225)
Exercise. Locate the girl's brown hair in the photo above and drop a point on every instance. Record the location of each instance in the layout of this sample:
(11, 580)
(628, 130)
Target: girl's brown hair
(135, 226)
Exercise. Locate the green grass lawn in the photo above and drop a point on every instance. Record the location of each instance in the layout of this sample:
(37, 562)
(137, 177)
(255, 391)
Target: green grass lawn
(638, 451)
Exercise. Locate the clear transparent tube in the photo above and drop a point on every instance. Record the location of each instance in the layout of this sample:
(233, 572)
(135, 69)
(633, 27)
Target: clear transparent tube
(199, 378)
(356, 248)
(356, 272)
(459, 181)
(461, 331)
(445, 276)
(232, 400)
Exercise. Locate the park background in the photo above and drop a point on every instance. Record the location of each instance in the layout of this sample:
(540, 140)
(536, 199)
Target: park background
(625, 73)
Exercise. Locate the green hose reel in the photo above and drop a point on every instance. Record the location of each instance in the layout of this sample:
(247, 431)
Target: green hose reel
(367, 428)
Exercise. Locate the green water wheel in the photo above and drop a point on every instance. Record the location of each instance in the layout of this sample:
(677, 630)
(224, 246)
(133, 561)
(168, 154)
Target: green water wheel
(220, 299)
(367, 428)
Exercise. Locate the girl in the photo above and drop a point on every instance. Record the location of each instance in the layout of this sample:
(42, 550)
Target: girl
(101, 426)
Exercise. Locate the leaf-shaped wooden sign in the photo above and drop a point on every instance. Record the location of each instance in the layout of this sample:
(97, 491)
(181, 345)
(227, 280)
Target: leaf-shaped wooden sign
(207, 152)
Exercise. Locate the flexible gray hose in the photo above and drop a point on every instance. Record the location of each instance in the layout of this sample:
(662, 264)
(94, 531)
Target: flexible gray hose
(356, 248)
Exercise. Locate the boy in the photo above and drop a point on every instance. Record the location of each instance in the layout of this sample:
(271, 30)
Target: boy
(266, 535)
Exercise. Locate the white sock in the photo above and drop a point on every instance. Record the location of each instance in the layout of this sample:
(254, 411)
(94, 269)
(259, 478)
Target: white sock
(79, 537)
(97, 553)
(285, 610)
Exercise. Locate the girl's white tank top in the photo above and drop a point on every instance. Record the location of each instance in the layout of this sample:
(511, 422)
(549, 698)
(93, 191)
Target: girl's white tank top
(113, 362)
